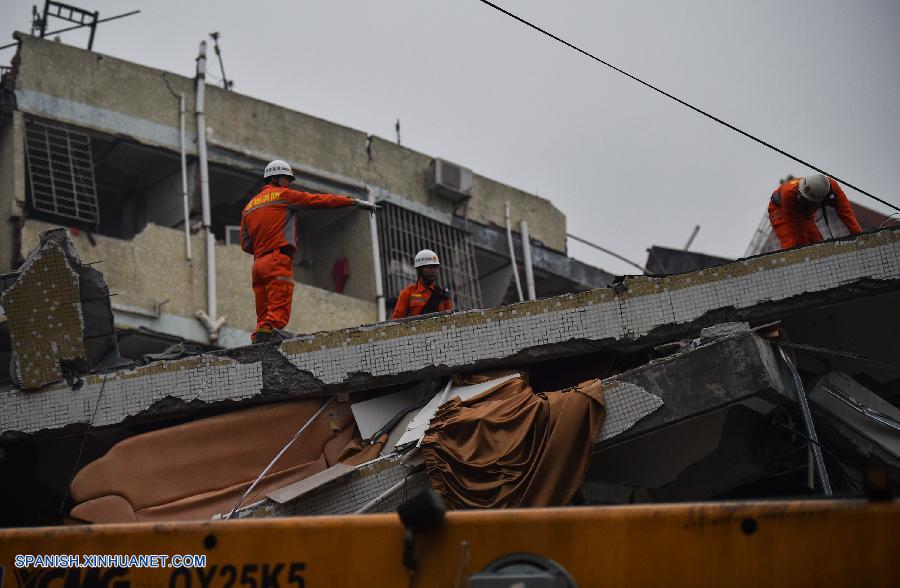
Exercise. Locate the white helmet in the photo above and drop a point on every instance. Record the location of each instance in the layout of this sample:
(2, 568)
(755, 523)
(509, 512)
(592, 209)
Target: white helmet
(815, 187)
(426, 257)
(278, 168)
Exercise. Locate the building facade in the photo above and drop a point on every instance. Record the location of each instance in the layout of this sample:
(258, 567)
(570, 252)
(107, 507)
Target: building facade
(82, 148)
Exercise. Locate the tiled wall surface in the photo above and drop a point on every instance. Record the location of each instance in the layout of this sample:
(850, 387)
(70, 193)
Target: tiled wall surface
(646, 303)
(350, 492)
(460, 339)
(127, 393)
(45, 321)
(626, 404)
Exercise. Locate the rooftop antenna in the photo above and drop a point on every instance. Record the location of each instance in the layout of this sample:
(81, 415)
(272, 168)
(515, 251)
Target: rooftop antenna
(78, 16)
(397, 128)
(692, 237)
(226, 83)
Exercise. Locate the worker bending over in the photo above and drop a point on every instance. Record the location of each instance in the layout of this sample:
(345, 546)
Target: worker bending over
(425, 296)
(269, 232)
(794, 204)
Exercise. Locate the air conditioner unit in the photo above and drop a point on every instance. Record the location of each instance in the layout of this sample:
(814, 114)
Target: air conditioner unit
(450, 181)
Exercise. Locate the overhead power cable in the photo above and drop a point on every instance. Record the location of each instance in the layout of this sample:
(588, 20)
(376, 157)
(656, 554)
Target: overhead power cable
(682, 102)
(608, 252)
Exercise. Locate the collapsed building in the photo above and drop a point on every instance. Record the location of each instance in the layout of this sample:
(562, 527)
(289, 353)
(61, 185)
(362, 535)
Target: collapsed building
(655, 389)
(770, 376)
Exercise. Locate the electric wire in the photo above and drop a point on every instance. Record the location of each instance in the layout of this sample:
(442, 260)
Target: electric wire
(62, 504)
(284, 449)
(682, 102)
(847, 354)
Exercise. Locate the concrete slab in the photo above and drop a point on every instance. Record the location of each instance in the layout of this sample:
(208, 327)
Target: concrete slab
(638, 313)
(733, 369)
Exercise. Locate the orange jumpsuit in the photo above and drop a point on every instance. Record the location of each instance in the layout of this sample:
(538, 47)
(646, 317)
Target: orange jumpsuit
(413, 299)
(269, 232)
(793, 216)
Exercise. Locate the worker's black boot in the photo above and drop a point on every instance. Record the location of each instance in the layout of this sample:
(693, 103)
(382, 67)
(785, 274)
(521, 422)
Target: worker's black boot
(263, 337)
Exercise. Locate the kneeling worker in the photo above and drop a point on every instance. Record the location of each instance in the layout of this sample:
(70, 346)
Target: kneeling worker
(425, 296)
(269, 232)
(793, 207)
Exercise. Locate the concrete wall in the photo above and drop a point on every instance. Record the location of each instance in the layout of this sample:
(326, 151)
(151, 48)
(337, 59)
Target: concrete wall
(12, 182)
(248, 125)
(151, 273)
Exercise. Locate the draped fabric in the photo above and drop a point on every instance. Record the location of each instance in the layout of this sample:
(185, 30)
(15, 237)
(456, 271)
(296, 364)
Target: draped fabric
(512, 447)
(194, 470)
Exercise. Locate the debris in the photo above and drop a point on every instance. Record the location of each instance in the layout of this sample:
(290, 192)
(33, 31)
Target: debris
(860, 409)
(373, 415)
(416, 429)
(59, 315)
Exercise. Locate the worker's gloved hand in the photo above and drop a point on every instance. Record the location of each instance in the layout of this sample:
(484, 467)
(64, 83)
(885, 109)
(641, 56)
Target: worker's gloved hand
(366, 205)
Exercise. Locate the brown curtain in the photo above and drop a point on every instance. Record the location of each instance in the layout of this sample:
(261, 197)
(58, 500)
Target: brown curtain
(512, 447)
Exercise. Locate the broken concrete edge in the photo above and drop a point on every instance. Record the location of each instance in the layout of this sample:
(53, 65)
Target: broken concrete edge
(697, 381)
(286, 382)
(627, 318)
(52, 244)
(276, 374)
(60, 318)
(305, 383)
(632, 287)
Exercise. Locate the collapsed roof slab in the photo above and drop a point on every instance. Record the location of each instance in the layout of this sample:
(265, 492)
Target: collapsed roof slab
(734, 369)
(639, 312)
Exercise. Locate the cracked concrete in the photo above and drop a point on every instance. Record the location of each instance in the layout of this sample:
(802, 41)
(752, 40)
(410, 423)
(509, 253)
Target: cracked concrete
(641, 312)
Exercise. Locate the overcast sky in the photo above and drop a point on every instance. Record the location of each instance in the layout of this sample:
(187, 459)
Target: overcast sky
(628, 167)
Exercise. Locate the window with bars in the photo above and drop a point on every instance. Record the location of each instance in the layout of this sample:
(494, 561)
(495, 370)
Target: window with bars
(61, 171)
(403, 233)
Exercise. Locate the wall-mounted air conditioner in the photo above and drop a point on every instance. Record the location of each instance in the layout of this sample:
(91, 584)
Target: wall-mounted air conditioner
(450, 181)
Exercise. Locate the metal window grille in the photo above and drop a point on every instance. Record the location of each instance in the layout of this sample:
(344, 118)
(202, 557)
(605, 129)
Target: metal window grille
(61, 171)
(403, 233)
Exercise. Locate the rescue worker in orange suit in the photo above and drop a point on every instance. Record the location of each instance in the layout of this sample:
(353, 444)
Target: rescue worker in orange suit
(793, 208)
(269, 233)
(425, 296)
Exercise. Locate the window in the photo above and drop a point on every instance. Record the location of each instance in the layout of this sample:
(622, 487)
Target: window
(61, 172)
(403, 233)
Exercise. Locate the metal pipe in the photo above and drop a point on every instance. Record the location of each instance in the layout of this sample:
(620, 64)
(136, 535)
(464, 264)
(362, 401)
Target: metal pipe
(808, 423)
(184, 188)
(376, 261)
(692, 237)
(512, 256)
(277, 457)
(212, 323)
(526, 255)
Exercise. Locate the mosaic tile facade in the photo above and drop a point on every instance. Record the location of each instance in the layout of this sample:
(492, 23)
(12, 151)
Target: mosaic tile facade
(43, 308)
(626, 404)
(460, 339)
(127, 393)
(644, 303)
(350, 492)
